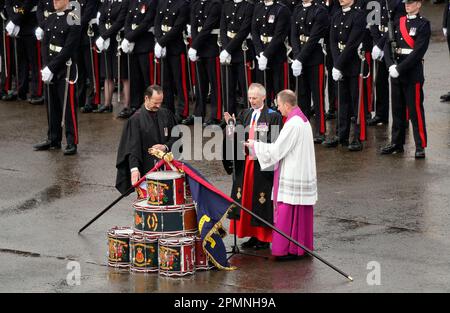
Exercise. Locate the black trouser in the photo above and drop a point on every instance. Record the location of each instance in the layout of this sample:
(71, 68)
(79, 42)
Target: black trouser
(332, 98)
(236, 77)
(348, 107)
(208, 76)
(141, 72)
(86, 93)
(408, 96)
(368, 85)
(56, 99)
(311, 85)
(382, 91)
(174, 68)
(28, 60)
(275, 79)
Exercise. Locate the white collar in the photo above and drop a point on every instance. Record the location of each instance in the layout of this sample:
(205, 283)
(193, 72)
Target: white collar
(60, 13)
(346, 9)
(268, 3)
(238, 1)
(411, 17)
(305, 5)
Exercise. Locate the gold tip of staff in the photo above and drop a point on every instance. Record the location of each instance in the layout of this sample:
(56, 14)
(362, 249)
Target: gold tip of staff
(166, 156)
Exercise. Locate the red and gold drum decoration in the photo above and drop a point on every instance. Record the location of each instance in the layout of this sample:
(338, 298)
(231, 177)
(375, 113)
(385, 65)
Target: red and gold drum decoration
(201, 259)
(165, 188)
(144, 253)
(168, 221)
(119, 247)
(176, 256)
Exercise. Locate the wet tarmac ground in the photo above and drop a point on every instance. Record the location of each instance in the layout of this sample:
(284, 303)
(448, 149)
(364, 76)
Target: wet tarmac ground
(393, 210)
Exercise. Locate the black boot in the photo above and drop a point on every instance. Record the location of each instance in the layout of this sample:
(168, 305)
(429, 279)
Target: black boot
(356, 145)
(71, 149)
(392, 149)
(46, 145)
(420, 153)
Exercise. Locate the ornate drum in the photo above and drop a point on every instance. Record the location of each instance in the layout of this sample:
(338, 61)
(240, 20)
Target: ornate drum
(187, 191)
(168, 221)
(165, 188)
(119, 247)
(144, 253)
(201, 259)
(176, 256)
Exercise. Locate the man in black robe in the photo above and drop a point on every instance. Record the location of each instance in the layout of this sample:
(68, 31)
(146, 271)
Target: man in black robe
(252, 187)
(150, 127)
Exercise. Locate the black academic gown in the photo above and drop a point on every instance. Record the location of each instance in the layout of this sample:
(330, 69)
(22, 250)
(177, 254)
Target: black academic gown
(140, 133)
(262, 180)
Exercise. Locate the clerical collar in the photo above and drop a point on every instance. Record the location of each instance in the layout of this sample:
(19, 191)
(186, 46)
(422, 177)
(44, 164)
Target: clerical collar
(346, 9)
(268, 3)
(411, 17)
(60, 13)
(306, 5)
(258, 110)
(238, 1)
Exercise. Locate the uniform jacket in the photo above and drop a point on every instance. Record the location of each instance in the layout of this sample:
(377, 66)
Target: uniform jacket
(205, 18)
(139, 25)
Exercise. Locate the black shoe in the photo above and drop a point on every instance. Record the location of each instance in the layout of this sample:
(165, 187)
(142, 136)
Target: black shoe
(356, 145)
(420, 153)
(70, 149)
(332, 142)
(125, 113)
(46, 145)
(289, 257)
(104, 109)
(250, 243)
(260, 245)
(188, 121)
(37, 100)
(10, 97)
(330, 115)
(179, 118)
(319, 139)
(376, 120)
(211, 121)
(392, 149)
(87, 109)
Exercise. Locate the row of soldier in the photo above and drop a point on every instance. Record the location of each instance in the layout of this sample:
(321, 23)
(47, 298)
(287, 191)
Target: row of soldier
(213, 49)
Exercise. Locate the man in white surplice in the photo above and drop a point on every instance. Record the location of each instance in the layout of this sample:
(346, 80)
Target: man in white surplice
(295, 182)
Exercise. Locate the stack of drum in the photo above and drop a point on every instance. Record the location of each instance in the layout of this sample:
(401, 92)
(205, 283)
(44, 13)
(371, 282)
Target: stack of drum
(164, 237)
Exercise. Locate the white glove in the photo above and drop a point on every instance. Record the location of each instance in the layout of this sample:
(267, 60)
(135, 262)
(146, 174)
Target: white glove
(192, 54)
(47, 75)
(225, 57)
(262, 62)
(16, 31)
(337, 74)
(393, 71)
(163, 52)
(125, 45)
(296, 68)
(100, 43)
(377, 53)
(10, 27)
(106, 44)
(444, 30)
(158, 50)
(39, 33)
(188, 28)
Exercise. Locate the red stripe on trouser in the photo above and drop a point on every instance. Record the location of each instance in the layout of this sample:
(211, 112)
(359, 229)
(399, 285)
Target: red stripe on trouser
(97, 78)
(158, 72)
(8, 61)
(249, 73)
(286, 73)
(183, 83)
(72, 109)
(407, 114)
(150, 58)
(321, 96)
(420, 117)
(369, 83)
(219, 91)
(191, 64)
(362, 114)
(38, 47)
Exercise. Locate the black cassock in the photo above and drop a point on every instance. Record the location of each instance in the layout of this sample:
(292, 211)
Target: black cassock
(142, 131)
(262, 180)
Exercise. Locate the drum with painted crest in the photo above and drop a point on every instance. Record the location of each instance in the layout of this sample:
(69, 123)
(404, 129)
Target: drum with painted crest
(144, 253)
(201, 259)
(165, 188)
(176, 256)
(119, 247)
(165, 221)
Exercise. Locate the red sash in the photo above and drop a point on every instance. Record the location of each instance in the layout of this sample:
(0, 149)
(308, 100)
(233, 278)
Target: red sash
(405, 34)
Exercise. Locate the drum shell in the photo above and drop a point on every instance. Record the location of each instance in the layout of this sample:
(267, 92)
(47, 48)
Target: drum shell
(176, 256)
(165, 191)
(143, 253)
(119, 248)
(201, 259)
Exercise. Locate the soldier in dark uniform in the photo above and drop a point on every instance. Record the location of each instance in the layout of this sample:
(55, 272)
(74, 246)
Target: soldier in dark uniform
(22, 24)
(138, 44)
(5, 78)
(235, 27)
(171, 19)
(44, 9)
(380, 36)
(310, 23)
(445, 27)
(62, 37)
(205, 23)
(112, 20)
(270, 28)
(88, 60)
(405, 64)
(347, 33)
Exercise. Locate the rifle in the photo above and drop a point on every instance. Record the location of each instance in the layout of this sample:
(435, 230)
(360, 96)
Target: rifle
(391, 37)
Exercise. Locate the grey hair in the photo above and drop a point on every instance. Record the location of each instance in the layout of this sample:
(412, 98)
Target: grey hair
(260, 88)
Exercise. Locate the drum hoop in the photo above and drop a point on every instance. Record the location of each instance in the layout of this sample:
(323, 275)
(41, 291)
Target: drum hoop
(164, 175)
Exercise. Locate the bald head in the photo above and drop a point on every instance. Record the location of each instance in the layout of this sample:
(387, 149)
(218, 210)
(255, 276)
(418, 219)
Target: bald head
(286, 101)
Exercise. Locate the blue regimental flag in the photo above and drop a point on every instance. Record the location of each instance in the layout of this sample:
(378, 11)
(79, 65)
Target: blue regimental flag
(212, 207)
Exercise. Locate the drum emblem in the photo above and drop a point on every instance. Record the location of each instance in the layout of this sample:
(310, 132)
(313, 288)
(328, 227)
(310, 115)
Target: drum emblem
(139, 256)
(137, 219)
(152, 222)
(168, 257)
(116, 249)
(156, 192)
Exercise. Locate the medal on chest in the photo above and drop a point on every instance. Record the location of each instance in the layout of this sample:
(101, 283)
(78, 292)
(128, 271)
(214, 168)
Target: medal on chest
(413, 31)
(143, 9)
(271, 19)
